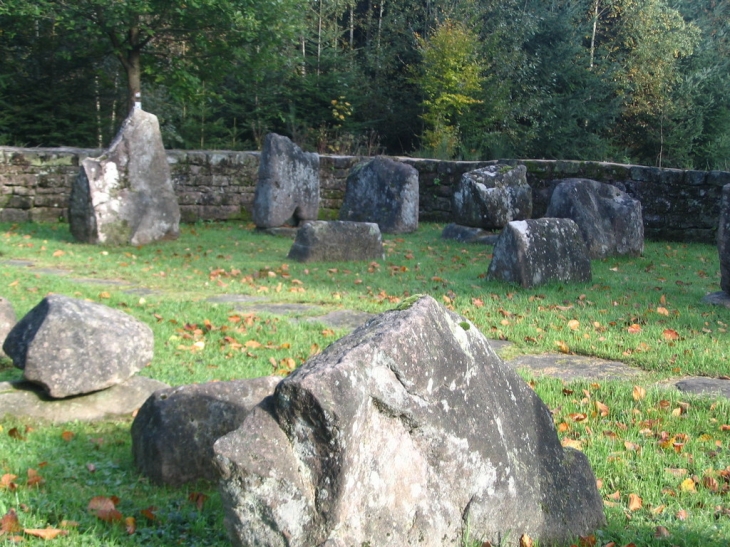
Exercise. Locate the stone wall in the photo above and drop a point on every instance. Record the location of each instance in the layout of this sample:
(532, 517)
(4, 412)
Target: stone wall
(678, 205)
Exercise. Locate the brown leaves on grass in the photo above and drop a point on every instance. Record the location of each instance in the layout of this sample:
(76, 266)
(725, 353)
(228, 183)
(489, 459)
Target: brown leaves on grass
(670, 335)
(105, 508)
(45, 533)
(635, 502)
(9, 523)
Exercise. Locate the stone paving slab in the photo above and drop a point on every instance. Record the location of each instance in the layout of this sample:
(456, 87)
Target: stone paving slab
(234, 298)
(573, 367)
(26, 399)
(705, 386)
(280, 308)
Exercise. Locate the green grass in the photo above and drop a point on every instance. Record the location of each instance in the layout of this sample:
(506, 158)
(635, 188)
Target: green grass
(646, 312)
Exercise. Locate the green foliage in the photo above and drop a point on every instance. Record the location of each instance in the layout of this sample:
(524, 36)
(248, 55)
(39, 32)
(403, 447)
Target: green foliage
(449, 77)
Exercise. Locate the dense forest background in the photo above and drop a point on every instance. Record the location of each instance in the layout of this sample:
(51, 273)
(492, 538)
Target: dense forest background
(634, 81)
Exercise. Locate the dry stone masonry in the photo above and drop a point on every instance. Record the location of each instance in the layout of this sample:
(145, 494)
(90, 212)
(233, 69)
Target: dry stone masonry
(70, 346)
(287, 191)
(125, 196)
(723, 240)
(534, 252)
(404, 432)
(677, 204)
(7, 320)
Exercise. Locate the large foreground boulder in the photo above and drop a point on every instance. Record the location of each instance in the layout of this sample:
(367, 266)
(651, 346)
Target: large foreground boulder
(174, 431)
(126, 195)
(534, 252)
(492, 196)
(71, 346)
(723, 240)
(609, 219)
(287, 191)
(383, 191)
(337, 241)
(405, 432)
(7, 320)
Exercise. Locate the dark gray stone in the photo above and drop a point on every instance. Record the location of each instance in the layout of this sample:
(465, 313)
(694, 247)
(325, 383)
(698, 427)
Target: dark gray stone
(337, 241)
(126, 196)
(28, 400)
(723, 239)
(174, 431)
(705, 386)
(468, 234)
(492, 196)
(287, 191)
(7, 320)
(535, 252)
(719, 298)
(383, 191)
(404, 432)
(72, 346)
(610, 220)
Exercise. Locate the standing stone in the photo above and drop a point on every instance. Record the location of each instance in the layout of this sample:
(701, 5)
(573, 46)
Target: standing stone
(287, 191)
(723, 240)
(126, 196)
(610, 220)
(174, 431)
(72, 346)
(337, 241)
(492, 196)
(404, 432)
(383, 191)
(534, 252)
(7, 320)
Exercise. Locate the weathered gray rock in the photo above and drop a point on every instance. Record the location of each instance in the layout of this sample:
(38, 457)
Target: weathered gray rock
(7, 320)
(287, 191)
(492, 196)
(72, 346)
(534, 252)
(383, 191)
(610, 220)
(28, 400)
(174, 431)
(125, 196)
(337, 241)
(404, 432)
(723, 239)
(705, 386)
(468, 234)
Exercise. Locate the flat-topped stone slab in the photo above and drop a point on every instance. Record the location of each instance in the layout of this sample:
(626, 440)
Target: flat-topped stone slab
(705, 386)
(234, 298)
(24, 399)
(469, 234)
(17, 263)
(720, 298)
(281, 308)
(573, 367)
(343, 319)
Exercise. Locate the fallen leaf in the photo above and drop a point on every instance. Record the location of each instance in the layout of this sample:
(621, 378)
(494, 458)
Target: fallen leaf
(149, 513)
(688, 485)
(587, 541)
(577, 416)
(681, 514)
(635, 502)
(58, 253)
(104, 295)
(100, 503)
(562, 346)
(638, 393)
(198, 499)
(615, 496)
(602, 409)
(6, 481)
(9, 523)
(34, 479)
(67, 435)
(573, 324)
(45, 533)
(661, 532)
(662, 311)
(526, 541)
(131, 525)
(572, 443)
(632, 447)
(670, 334)
(634, 329)
(658, 510)
(15, 434)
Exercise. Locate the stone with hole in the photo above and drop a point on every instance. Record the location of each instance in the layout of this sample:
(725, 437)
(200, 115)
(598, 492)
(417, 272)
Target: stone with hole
(610, 220)
(492, 196)
(70, 346)
(535, 252)
(174, 431)
(287, 191)
(126, 196)
(383, 191)
(407, 431)
(337, 241)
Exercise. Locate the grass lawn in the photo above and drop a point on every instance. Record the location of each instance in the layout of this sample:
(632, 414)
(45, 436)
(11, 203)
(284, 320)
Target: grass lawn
(662, 458)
